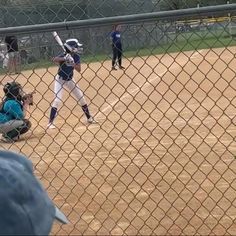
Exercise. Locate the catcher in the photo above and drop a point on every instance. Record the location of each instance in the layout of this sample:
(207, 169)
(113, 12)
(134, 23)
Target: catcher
(12, 112)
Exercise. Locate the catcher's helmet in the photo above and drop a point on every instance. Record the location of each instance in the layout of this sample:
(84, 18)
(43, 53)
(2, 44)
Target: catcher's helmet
(13, 90)
(73, 45)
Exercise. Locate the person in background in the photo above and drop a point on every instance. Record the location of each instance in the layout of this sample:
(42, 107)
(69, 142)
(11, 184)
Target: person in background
(116, 47)
(13, 54)
(25, 206)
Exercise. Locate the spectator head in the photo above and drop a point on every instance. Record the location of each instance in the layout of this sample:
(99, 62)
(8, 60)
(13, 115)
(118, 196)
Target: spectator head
(25, 207)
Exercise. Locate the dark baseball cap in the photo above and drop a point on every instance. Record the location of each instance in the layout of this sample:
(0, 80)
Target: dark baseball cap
(25, 208)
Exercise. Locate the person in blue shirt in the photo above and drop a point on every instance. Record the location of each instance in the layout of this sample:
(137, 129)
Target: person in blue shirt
(68, 62)
(12, 113)
(116, 47)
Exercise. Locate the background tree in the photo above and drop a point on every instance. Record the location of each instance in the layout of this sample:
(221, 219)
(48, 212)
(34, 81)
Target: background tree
(181, 4)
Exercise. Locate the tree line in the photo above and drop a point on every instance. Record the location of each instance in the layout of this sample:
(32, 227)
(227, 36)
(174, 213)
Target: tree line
(181, 4)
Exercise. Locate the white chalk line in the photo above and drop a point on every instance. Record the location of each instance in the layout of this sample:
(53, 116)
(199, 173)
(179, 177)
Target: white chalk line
(111, 105)
(129, 93)
(198, 55)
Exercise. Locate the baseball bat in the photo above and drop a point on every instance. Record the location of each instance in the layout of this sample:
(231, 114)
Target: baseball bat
(58, 39)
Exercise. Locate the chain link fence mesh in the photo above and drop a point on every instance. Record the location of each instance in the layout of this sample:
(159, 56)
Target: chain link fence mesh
(161, 160)
(30, 12)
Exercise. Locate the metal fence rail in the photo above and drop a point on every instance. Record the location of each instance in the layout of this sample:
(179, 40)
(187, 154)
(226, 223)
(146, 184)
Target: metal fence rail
(161, 159)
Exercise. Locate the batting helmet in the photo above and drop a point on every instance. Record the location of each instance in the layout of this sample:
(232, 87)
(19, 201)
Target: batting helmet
(13, 90)
(73, 45)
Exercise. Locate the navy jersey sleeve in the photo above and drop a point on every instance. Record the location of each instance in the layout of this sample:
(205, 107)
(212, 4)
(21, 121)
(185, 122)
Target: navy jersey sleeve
(76, 59)
(113, 35)
(61, 55)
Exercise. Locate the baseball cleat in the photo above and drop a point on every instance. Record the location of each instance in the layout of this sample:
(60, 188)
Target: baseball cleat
(92, 121)
(113, 68)
(51, 126)
(7, 139)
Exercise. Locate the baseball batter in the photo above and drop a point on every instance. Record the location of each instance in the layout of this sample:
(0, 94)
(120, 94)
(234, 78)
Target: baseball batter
(67, 64)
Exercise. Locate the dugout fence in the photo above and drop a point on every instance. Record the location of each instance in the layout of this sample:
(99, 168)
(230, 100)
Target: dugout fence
(161, 160)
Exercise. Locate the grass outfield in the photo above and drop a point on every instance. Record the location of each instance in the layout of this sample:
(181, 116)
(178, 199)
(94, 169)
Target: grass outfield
(183, 42)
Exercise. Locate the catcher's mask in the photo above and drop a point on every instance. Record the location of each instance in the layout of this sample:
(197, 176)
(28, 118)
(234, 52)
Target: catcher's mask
(73, 46)
(13, 90)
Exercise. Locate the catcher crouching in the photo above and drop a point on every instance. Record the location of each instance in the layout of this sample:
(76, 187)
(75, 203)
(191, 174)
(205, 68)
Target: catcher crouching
(12, 112)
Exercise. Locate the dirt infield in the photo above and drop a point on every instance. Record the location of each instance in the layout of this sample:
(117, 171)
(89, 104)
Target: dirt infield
(160, 161)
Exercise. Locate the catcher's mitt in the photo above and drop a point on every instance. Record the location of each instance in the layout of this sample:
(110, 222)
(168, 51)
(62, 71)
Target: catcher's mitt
(29, 97)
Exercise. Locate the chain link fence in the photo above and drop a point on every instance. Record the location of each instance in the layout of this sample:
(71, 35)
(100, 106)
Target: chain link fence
(161, 160)
(30, 12)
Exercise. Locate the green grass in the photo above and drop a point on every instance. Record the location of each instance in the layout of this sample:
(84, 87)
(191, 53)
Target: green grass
(187, 45)
(176, 45)
(184, 42)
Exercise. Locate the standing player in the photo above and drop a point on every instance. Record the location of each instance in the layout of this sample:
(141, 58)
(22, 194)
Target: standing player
(13, 54)
(116, 47)
(67, 63)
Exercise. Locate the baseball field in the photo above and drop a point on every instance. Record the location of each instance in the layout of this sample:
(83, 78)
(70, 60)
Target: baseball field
(161, 158)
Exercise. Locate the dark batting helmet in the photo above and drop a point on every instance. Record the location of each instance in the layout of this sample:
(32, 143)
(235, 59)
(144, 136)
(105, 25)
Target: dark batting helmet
(13, 90)
(73, 45)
